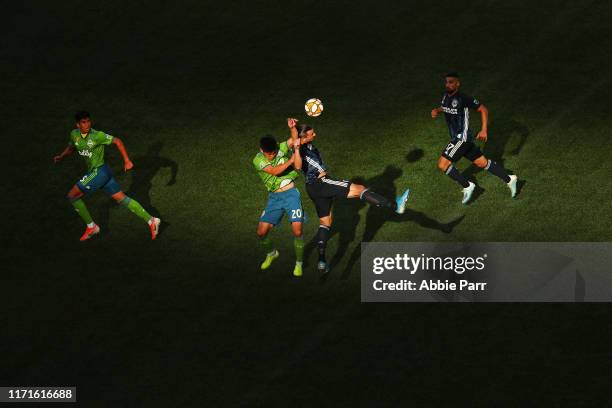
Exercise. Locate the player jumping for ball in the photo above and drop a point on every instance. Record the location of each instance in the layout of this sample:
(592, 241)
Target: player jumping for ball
(90, 143)
(322, 189)
(456, 107)
(275, 166)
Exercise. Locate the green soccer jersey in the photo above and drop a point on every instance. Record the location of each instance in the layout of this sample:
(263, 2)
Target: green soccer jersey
(91, 147)
(271, 182)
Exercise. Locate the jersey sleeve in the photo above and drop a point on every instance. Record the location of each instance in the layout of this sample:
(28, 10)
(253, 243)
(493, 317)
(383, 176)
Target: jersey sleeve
(471, 102)
(260, 162)
(103, 138)
(284, 147)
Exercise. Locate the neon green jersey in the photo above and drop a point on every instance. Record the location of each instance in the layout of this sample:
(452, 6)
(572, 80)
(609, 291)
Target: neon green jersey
(91, 147)
(271, 182)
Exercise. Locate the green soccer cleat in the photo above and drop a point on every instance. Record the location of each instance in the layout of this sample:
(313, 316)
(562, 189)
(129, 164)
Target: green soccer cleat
(297, 271)
(512, 185)
(269, 259)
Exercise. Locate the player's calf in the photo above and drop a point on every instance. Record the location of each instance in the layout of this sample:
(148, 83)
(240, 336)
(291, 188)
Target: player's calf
(377, 200)
(135, 207)
(298, 246)
(74, 196)
(493, 168)
(322, 238)
(451, 171)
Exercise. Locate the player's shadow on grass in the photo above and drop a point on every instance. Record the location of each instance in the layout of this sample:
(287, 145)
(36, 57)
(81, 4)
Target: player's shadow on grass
(500, 135)
(346, 218)
(145, 169)
(376, 217)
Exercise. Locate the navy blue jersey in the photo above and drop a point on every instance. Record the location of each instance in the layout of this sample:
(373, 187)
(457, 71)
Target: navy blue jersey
(312, 162)
(457, 114)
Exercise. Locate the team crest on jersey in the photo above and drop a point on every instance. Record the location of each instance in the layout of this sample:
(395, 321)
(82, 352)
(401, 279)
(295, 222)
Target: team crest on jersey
(455, 102)
(476, 101)
(90, 143)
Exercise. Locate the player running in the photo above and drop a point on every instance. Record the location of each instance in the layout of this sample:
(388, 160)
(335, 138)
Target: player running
(275, 166)
(322, 189)
(90, 143)
(456, 107)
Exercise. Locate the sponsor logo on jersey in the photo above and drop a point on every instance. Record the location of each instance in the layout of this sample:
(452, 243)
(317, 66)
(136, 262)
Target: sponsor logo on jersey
(449, 110)
(86, 153)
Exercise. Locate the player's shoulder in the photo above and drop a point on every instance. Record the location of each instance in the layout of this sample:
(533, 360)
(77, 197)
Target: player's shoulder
(101, 136)
(74, 132)
(96, 132)
(467, 97)
(260, 161)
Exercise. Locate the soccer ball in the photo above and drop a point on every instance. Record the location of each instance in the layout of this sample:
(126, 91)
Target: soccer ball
(313, 107)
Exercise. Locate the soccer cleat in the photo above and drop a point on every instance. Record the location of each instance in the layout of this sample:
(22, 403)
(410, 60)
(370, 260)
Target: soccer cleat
(323, 267)
(401, 202)
(512, 185)
(90, 232)
(297, 271)
(467, 193)
(154, 226)
(269, 259)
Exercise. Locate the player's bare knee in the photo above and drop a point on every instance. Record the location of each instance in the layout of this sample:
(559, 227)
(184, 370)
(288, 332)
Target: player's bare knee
(326, 221)
(443, 164)
(297, 230)
(74, 194)
(262, 230)
(120, 197)
(481, 162)
(355, 190)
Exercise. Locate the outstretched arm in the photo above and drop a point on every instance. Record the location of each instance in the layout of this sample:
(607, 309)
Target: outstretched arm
(297, 157)
(127, 163)
(67, 152)
(276, 170)
(291, 123)
(484, 117)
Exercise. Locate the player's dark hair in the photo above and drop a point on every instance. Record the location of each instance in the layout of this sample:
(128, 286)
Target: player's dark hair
(303, 129)
(81, 115)
(268, 144)
(452, 74)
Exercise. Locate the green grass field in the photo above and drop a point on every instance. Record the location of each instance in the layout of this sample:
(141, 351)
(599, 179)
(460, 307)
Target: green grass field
(189, 319)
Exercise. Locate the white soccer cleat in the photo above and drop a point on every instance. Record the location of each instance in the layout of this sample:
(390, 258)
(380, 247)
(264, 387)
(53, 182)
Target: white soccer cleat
(467, 193)
(512, 185)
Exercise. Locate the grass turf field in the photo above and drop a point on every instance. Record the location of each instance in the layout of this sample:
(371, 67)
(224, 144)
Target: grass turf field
(190, 318)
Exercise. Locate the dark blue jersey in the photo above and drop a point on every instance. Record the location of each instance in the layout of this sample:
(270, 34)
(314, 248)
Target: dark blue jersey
(457, 114)
(312, 162)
